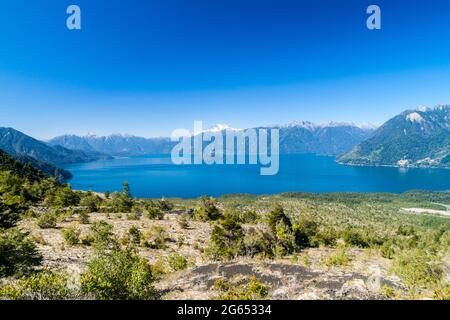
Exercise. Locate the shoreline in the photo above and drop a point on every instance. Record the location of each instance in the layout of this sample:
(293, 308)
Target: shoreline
(390, 166)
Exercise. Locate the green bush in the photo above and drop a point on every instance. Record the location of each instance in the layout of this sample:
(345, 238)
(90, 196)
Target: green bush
(206, 210)
(226, 239)
(155, 237)
(177, 262)
(154, 213)
(259, 243)
(119, 275)
(183, 221)
(164, 205)
(47, 220)
(252, 289)
(248, 216)
(63, 197)
(71, 235)
(101, 234)
(83, 217)
(91, 202)
(417, 268)
(305, 230)
(159, 268)
(134, 235)
(9, 214)
(18, 254)
(43, 285)
(122, 202)
(339, 257)
(276, 217)
(133, 216)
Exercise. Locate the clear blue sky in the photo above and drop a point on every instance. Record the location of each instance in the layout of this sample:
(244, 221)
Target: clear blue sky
(148, 67)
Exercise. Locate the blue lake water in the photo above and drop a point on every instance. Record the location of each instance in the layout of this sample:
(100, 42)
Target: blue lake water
(155, 176)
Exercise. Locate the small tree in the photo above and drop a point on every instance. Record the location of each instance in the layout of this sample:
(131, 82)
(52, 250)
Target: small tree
(91, 202)
(207, 210)
(18, 254)
(119, 275)
(227, 238)
(71, 235)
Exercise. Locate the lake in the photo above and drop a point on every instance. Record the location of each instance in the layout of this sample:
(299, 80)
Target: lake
(155, 176)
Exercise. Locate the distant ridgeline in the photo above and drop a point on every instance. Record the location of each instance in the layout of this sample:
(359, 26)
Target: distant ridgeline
(415, 138)
(42, 156)
(301, 137)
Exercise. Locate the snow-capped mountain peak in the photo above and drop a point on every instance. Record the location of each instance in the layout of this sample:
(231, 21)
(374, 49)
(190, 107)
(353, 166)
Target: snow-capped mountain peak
(219, 128)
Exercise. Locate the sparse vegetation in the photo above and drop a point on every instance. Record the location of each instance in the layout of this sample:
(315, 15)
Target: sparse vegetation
(155, 237)
(276, 228)
(245, 289)
(71, 235)
(177, 262)
(47, 220)
(119, 274)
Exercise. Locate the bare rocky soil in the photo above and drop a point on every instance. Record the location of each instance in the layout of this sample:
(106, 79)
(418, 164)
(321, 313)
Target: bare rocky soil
(300, 277)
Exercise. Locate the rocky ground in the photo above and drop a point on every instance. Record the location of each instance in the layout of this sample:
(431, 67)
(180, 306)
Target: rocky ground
(304, 276)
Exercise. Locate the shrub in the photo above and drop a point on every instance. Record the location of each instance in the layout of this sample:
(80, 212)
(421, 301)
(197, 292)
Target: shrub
(133, 216)
(47, 220)
(90, 202)
(206, 210)
(123, 201)
(387, 250)
(9, 214)
(43, 285)
(248, 216)
(100, 233)
(71, 235)
(177, 262)
(226, 239)
(18, 254)
(338, 258)
(259, 243)
(155, 213)
(38, 238)
(164, 205)
(276, 217)
(160, 267)
(180, 241)
(183, 221)
(417, 268)
(253, 289)
(155, 238)
(83, 217)
(64, 197)
(134, 235)
(305, 229)
(285, 240)
(119, 275)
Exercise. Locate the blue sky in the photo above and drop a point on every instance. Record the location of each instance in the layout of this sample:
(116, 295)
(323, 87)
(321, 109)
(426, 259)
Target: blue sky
(149, 67)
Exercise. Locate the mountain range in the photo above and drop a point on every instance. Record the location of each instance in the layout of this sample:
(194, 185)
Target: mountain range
(415, 138)
(300, 137)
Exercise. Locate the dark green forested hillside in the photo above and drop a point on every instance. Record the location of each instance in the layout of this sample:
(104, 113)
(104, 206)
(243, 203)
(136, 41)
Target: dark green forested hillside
(413, 138)
(16, 143)
(9, 164)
